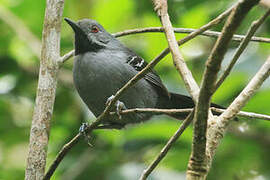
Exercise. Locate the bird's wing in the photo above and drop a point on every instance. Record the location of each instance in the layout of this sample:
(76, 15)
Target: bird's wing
(138, 64)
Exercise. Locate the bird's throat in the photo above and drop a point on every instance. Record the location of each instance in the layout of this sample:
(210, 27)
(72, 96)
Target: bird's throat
(82, 44)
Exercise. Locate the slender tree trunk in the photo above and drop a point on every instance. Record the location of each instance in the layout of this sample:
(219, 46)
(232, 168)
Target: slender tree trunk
(50, 53)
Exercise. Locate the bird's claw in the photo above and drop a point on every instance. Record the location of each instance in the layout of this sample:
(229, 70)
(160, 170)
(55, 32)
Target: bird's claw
(119, 106)
(82, 130)
(109, 100)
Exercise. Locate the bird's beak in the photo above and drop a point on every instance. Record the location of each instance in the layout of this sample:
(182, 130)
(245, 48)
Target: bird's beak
(73, 24)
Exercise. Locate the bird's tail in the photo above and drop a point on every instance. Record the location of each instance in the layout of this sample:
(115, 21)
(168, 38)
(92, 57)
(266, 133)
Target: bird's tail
(178, 101)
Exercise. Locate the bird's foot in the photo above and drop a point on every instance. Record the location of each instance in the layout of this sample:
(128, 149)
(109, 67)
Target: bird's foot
(119, 106)
(82, 130)
(109, 100)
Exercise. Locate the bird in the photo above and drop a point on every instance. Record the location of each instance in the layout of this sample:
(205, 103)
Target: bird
(102, 65)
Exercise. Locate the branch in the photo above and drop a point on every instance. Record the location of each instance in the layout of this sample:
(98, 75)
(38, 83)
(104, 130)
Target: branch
(214, 34)
(66, 57)
(155, 111)
(40, 128)
(197, 168)
(167, 147)
(255, 25)
(245, 114)
(188, 110)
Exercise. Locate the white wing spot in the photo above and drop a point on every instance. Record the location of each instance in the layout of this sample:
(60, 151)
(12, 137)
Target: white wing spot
(139, 64)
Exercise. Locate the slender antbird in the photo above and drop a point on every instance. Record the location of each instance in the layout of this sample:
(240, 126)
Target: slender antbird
(103, 65)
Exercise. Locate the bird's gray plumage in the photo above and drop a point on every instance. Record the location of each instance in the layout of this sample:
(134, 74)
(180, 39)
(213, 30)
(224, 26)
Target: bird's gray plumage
(95, 83)
(103, 65)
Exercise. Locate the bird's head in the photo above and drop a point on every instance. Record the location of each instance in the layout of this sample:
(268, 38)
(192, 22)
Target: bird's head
(89, 35)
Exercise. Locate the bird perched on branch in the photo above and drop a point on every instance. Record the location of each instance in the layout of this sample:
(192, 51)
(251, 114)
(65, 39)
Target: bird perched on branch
(103, 65)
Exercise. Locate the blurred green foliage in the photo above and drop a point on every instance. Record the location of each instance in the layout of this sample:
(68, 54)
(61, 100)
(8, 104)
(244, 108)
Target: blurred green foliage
(243, 153)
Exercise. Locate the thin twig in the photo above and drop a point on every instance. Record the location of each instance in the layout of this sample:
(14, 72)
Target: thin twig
(253, 28)
(188, 110)
(67, 56)
(155, 111)
(167, 147)
(197, 166)
(213, 34)
(140, 75)
(245, 114)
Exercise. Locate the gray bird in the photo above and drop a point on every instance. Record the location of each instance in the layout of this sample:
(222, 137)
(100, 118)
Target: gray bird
(103, 65)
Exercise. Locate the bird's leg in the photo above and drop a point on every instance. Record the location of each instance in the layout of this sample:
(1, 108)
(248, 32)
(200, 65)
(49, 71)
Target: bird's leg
(83, 132)
(83, 128)
(119, 106)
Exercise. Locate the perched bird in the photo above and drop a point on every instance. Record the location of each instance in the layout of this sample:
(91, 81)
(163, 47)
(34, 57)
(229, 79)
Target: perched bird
(103, 65)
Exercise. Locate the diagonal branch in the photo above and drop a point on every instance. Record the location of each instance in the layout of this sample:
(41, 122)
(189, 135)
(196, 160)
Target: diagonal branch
(66, 57)
(253, 28)
(197, 164)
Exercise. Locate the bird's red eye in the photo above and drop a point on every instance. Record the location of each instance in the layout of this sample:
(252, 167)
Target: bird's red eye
(94, 29)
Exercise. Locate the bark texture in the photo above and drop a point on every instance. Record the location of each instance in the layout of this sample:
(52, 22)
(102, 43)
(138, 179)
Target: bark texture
(40, 128)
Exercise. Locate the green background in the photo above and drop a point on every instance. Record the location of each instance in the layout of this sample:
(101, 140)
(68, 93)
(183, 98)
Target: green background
(244, 152)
